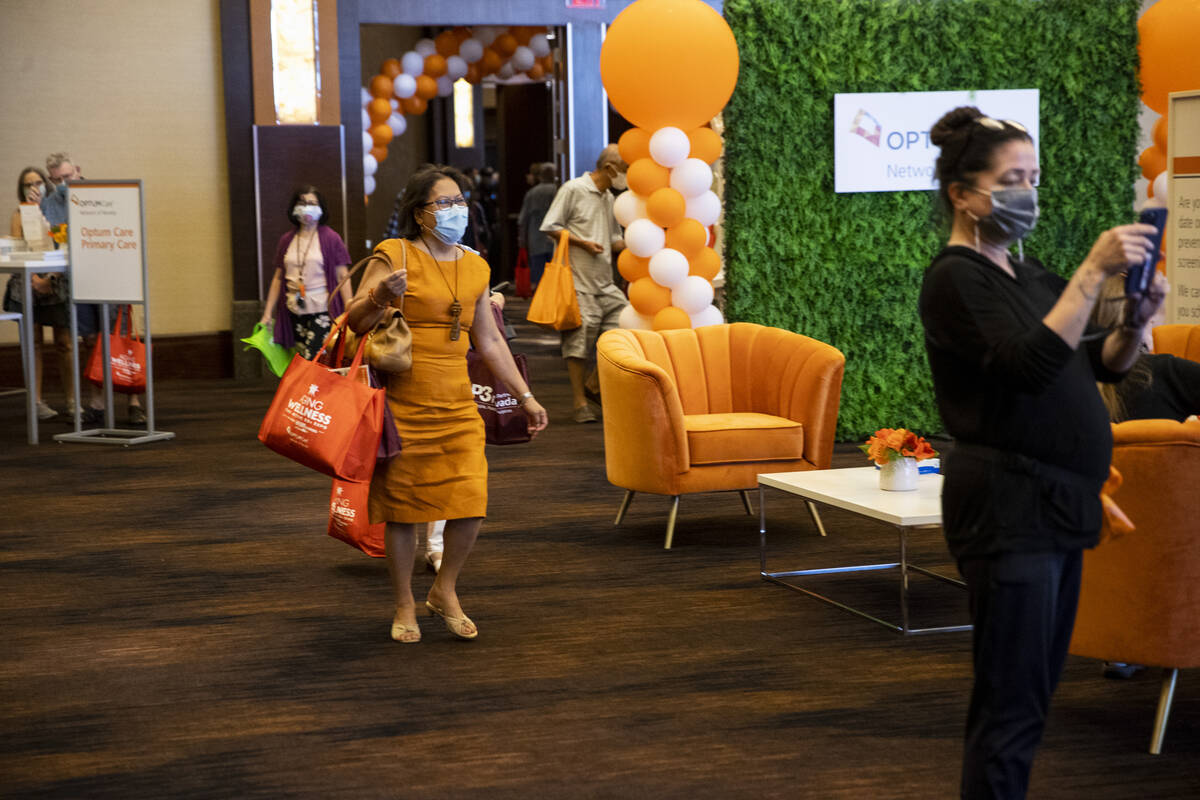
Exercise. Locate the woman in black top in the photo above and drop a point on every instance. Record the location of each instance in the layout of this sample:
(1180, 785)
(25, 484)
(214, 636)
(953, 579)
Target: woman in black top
(1159, 385)
(1016, 389)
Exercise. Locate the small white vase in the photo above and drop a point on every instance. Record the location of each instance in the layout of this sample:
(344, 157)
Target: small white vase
(899, 475)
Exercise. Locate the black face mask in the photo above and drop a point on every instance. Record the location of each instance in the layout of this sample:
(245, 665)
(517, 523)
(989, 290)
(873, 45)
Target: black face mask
(1014, 215)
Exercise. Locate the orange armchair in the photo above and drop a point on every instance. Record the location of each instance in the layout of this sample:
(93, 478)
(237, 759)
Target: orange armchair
(1178, 340)
(1140, 598)
(708, 409)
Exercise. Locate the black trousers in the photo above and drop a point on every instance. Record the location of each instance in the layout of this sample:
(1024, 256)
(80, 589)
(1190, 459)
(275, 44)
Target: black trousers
(1023, 609)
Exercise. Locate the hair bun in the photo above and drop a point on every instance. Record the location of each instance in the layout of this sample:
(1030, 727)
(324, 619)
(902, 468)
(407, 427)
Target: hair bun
(952, 122)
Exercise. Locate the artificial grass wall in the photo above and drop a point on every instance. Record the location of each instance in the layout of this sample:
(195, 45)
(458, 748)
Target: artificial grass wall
(846, 268)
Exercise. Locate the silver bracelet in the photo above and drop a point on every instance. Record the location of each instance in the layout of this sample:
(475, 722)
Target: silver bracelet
(524, 397)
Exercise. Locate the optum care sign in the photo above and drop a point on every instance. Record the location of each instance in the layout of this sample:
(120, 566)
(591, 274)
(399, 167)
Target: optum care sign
(881, 139)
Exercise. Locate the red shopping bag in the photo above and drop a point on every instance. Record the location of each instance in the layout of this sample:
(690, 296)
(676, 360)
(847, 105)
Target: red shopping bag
(521, 277)
(126, 354)
(348, 519)
(328, 422)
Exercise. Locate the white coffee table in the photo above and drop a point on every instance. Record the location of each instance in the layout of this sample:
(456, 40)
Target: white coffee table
(857, 490)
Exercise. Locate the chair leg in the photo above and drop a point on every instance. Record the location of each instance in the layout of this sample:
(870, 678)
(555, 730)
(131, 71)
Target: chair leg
(624, 506)
(812, 510)
(746, 502)
(1164, 709)
(671, 521)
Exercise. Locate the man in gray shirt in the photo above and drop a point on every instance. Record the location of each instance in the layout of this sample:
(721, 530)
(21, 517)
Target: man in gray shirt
(583, 207)
(538, 246)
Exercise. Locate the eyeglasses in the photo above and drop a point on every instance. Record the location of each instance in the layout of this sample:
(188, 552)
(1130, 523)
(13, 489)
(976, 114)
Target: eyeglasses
(446, 202)
(998, 124)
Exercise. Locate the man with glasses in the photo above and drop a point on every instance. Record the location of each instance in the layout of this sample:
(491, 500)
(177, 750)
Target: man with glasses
(583, 207)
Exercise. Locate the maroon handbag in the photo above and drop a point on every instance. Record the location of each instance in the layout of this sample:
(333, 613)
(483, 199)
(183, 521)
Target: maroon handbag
(504, 421)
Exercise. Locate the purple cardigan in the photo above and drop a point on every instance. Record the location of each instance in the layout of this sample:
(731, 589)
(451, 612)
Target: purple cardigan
(334, 254)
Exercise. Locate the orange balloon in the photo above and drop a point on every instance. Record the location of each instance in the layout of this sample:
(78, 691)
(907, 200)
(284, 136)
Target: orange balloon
(1167, 36)
(669, 62)
(688, 237)
(522, 33)
(645, 176)
(380, 134)
(666, 207)
(491, 61)
(426, 87)
(647, 297)
(1160, 133)
(632, 267)
(505, 44)
(473, 75)
(462, 33)
(446, 43)
(414, 105)
(391, 68)
(379, 110)
(547, 62)
(380, 153)
(435, 65)
(706, 144)
(671, 318)
(536, 73)
(706, 264)
(634, 144)
(1152, 161)
(381, 86)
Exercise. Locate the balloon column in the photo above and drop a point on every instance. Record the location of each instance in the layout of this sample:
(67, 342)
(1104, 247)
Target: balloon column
(669, 67)
(1167, 36)
(405, 85)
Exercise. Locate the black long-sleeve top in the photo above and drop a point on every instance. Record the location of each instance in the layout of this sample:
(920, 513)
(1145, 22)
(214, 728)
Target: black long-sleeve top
(1173, 392)
(1033, 442)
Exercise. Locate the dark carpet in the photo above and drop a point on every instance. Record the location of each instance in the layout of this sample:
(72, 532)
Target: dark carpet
(177, 624)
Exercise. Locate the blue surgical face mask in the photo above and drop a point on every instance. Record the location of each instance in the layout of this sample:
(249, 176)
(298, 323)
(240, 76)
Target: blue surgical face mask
(451, 224)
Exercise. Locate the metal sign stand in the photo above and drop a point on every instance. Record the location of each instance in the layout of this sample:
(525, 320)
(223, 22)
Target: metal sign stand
(110, 434)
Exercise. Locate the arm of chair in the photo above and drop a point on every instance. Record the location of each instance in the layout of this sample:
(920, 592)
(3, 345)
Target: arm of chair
(645, 443)
(810, 392)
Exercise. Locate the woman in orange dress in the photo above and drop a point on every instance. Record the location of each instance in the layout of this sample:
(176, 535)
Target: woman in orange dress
(441, 472)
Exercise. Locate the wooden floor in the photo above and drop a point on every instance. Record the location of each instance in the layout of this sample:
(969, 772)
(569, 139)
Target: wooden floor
(176, 624)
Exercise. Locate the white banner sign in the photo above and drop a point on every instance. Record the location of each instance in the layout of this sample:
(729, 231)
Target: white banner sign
(1183, 207)
(881, 139)
(104, 229)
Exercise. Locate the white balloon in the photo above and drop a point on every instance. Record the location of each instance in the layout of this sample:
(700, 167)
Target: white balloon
(630, 319)
(412, 63)
(692, 177)
(455, 67)
(397, 124)
(709, 316)
(644, 238)
(368, 185)
(693, 294)
(369, 165)
(1160, 186)
(445, 86)
(366, 120)
(704, 208)
(395, 103)
(366, 96)
(669, 146)
(404, 85)
(471, 50)
(426, 47)
(628, 206)
(669, 268)
(523, 59)
(486, 34)
(506, 71)
(368, 142)
(540, 45)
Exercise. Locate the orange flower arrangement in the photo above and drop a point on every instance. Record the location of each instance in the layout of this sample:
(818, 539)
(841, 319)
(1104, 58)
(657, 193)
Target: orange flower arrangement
(59, 232)
(889, 443)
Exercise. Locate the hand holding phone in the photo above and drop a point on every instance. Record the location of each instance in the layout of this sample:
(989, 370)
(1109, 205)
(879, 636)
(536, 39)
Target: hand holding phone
(1138, 278)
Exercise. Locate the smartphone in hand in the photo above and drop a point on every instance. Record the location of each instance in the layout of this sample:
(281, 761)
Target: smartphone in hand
(1137, 280)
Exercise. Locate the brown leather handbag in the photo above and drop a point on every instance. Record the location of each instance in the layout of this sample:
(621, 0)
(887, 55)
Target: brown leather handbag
(389, 343)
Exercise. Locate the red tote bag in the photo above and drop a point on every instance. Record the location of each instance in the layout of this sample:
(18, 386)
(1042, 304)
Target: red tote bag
(348, 518)
(127, 355)
(328, 422)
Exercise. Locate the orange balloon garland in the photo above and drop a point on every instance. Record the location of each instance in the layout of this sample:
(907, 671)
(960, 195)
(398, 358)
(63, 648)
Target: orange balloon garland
(634, 145)
(632, 267)
(671, 318)
(647, 297)
(646, 176)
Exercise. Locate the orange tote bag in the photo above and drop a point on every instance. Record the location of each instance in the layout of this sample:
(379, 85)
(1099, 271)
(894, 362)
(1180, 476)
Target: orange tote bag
(348, 518)
(328, 422)
(554, 304)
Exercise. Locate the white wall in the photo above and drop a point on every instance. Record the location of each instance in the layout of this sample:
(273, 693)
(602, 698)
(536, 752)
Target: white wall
(131, 89)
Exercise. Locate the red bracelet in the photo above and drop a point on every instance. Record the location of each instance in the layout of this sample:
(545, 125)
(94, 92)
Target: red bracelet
(371, 297)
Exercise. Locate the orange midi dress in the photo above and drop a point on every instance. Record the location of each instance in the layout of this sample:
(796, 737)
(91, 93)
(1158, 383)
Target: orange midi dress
(441, 471)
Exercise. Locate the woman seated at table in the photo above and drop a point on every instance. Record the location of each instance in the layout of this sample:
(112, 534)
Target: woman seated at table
(50, 295)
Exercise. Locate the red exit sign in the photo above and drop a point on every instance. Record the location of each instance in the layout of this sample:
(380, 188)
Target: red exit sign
(585, 3)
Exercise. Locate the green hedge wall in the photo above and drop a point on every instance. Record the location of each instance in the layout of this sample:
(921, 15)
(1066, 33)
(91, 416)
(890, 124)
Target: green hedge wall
(846, 268)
